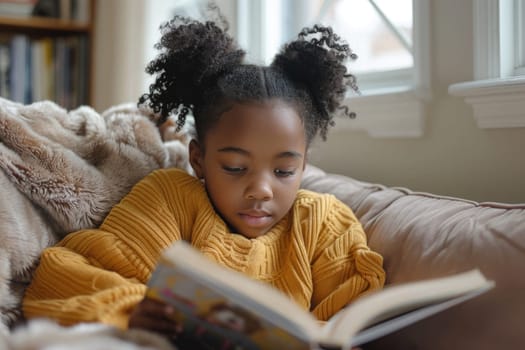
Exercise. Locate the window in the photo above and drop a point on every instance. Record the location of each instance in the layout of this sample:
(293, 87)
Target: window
(390, 38)
(381, 33)
(497, 94)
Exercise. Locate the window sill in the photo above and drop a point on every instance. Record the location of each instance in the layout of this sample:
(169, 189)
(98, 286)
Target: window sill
(393, 114)
(496, 103)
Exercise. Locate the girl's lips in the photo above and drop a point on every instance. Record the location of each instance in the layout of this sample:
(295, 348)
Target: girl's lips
(256, 219)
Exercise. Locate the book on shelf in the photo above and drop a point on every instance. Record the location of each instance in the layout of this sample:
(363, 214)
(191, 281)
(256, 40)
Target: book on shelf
(42, 69)
(16, 8)
(45, 68)
(222, 308)
(19, 68)
(4, 66)
(77, 10)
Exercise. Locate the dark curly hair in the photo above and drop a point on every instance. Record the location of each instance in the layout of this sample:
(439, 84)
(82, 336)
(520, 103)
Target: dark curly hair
(201, 70)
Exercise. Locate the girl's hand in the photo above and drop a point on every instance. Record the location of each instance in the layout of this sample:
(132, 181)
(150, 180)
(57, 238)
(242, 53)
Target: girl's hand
(155, 316)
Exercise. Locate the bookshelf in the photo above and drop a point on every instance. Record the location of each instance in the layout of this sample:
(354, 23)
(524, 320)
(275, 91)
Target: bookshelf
(48, 58)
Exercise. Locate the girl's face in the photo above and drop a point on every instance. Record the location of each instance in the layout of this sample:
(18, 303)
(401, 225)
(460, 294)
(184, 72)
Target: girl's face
(252, 163)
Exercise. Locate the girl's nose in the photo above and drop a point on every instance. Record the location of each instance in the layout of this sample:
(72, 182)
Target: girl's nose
(259, 188)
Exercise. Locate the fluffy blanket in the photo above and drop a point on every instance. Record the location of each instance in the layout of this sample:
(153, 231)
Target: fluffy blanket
(46, 335)
(61, 171)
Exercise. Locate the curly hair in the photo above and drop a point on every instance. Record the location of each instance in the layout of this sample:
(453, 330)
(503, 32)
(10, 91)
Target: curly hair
(201, 70)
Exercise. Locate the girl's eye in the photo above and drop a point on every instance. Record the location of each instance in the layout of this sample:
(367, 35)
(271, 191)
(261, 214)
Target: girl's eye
(284, 173)
(233, 170)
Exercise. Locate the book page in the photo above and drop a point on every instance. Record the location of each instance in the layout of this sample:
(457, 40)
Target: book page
(406, 319)
(206, 292)
(399, 299)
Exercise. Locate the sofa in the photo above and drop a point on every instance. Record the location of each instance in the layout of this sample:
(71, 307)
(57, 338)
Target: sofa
(423, 235)
(63, 170)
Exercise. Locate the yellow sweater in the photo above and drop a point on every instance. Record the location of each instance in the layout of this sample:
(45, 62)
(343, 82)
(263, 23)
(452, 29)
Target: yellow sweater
(317, 254)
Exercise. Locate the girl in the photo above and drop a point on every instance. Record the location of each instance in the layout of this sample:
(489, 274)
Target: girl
(244, 208)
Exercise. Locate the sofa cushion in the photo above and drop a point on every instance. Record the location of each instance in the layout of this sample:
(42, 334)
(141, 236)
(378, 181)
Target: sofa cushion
(422, 235)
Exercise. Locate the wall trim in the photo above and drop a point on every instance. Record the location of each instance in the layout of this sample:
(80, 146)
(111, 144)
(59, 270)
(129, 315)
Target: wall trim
(393, 115)
(496, 103)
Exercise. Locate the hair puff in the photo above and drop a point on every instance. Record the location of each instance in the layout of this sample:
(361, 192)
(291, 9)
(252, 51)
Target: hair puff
(317, 61)
(192, 55)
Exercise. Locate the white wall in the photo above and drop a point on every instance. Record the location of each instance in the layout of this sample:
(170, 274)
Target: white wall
(119, 52)
(454, 157)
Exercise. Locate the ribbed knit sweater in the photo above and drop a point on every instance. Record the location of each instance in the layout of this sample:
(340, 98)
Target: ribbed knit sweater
(317, 254)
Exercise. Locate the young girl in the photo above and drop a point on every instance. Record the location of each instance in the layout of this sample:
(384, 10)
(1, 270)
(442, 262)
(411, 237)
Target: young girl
(244, 208)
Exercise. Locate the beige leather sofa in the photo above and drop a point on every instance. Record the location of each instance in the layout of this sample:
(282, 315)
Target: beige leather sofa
(422, 235)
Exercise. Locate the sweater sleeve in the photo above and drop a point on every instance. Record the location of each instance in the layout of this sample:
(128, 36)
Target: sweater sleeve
(99, 275)
(344, 266)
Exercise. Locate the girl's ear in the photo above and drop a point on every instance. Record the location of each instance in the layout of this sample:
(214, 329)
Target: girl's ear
(196, 158)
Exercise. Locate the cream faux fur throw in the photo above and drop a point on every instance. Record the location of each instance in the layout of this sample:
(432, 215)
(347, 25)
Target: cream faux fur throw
(62, 171)
(46, 335)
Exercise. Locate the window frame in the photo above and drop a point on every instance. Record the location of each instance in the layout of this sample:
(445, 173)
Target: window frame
(497, 93)
(519, 23)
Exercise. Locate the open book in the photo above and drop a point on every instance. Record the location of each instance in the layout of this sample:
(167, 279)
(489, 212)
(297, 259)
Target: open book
(225, 309)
